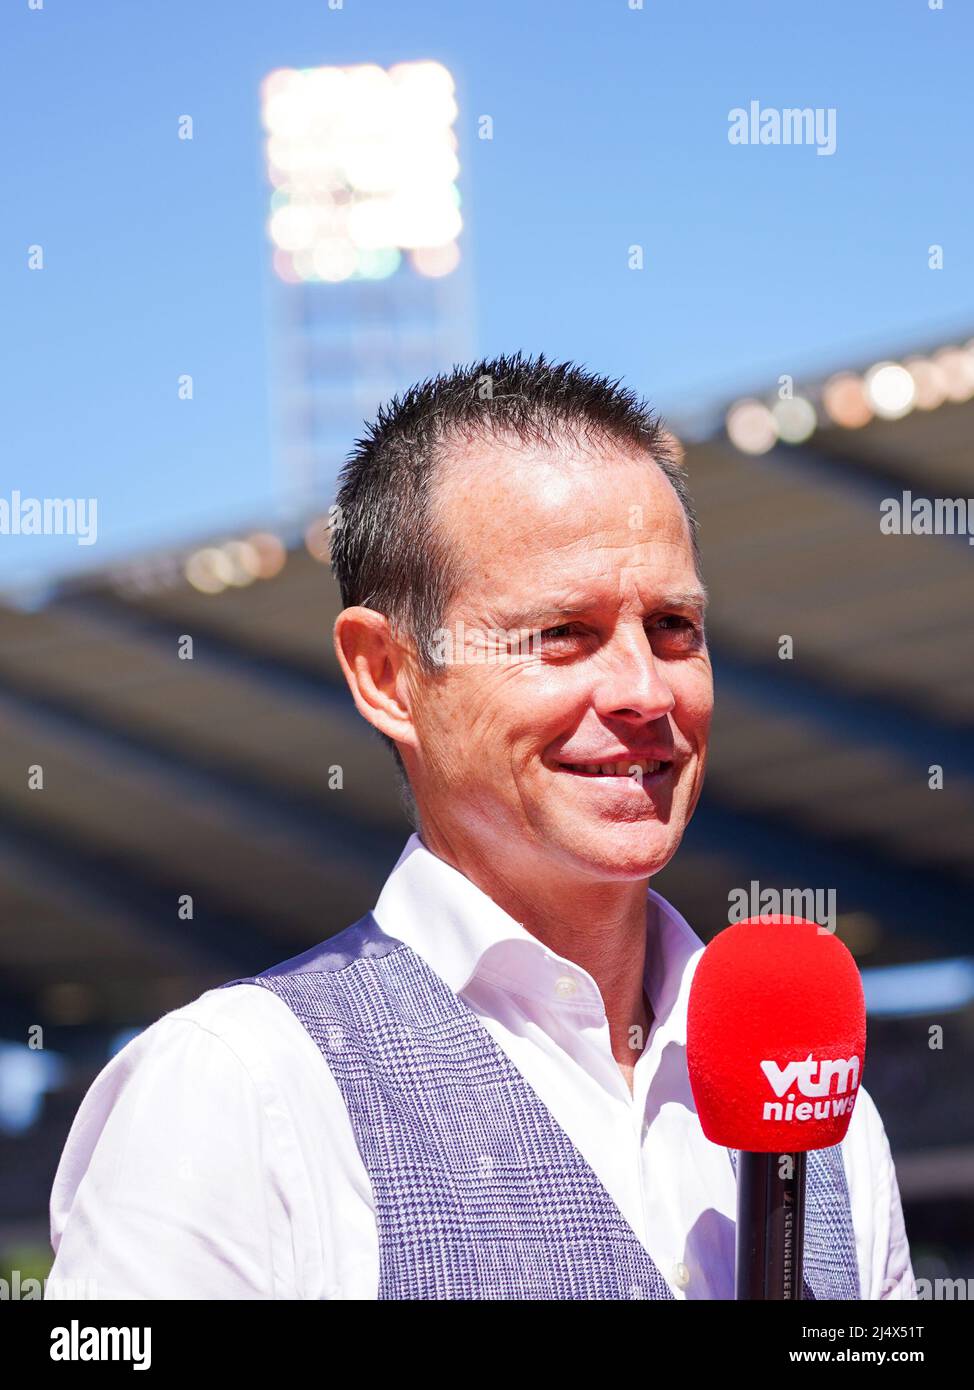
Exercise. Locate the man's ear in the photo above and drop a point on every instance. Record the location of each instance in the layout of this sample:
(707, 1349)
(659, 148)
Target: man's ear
(373, 662)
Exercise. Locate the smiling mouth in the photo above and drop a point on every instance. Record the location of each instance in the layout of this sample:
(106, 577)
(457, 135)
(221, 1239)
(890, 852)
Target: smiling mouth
(640, 767)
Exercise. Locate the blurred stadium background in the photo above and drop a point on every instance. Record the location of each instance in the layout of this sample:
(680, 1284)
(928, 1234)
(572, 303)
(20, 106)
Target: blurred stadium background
(244, 778)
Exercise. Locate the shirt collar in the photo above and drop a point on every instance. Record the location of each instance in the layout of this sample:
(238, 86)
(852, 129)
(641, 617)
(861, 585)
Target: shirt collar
(462, 934)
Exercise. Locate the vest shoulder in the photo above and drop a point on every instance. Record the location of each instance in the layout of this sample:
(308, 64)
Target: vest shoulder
(363, 940)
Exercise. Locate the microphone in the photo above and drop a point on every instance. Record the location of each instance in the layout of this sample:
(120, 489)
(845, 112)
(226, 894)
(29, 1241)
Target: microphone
(776, 1042)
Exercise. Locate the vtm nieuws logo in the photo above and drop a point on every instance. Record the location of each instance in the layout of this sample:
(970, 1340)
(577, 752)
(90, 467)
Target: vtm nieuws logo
(830, 1085)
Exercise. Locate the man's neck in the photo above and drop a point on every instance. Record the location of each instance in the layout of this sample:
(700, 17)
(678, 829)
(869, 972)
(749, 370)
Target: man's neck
(601, 927)
(613, 952)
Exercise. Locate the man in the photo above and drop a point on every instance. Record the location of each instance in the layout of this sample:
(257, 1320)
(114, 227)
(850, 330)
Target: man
(480, 1090)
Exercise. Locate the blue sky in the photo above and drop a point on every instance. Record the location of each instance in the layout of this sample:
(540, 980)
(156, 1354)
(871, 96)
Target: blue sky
(610, 128)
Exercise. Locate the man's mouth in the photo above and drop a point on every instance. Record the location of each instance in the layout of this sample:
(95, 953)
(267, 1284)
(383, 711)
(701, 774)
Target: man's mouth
(641, 767)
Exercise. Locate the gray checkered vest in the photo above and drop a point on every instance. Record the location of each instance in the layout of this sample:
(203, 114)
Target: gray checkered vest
(479, 1193)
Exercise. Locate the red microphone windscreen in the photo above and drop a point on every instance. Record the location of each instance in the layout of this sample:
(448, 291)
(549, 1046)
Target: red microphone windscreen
(776, 1036)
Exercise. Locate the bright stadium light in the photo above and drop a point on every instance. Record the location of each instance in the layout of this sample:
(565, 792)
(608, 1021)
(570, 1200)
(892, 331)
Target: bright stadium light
(674, 445)
(751, 427)
(209, 570)
(795, 419)
(244, 562)
(930, 382)
(957, 366)
(317, 540)
(270, 552)
(891, 390)
(363, 164)
(844, 398)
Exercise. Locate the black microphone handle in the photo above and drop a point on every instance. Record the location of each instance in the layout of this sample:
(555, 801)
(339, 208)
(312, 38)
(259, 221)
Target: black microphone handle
(770, 1226)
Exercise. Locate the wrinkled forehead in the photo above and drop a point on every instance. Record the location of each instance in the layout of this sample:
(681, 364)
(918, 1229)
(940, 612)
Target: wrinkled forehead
(524, 514)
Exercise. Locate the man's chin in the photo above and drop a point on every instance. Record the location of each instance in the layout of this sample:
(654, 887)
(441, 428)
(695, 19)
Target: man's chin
(625, 853)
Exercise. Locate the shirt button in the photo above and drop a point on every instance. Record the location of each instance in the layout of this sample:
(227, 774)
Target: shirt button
(566, 987)
(680, 1275)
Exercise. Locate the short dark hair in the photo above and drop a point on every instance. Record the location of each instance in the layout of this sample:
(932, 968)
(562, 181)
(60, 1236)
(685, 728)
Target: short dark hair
(386, 551)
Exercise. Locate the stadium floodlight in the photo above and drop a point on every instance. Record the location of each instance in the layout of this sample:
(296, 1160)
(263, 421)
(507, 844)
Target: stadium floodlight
(795, 419)
(957, 368)
(363, 163)
(751, 427)
(930, 382)
(844, 398)
(891, 390)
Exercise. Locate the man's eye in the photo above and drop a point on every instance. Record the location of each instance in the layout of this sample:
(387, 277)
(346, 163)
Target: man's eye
(675, 623)
(676, 618)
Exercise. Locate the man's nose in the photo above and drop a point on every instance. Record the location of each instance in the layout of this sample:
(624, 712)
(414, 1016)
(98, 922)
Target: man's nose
(631, 681)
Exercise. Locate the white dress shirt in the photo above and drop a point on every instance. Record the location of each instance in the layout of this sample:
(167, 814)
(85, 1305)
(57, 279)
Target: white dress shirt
(213, 1156)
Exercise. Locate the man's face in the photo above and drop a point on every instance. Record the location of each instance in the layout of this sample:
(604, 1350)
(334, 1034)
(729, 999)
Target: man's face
(586, 556)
